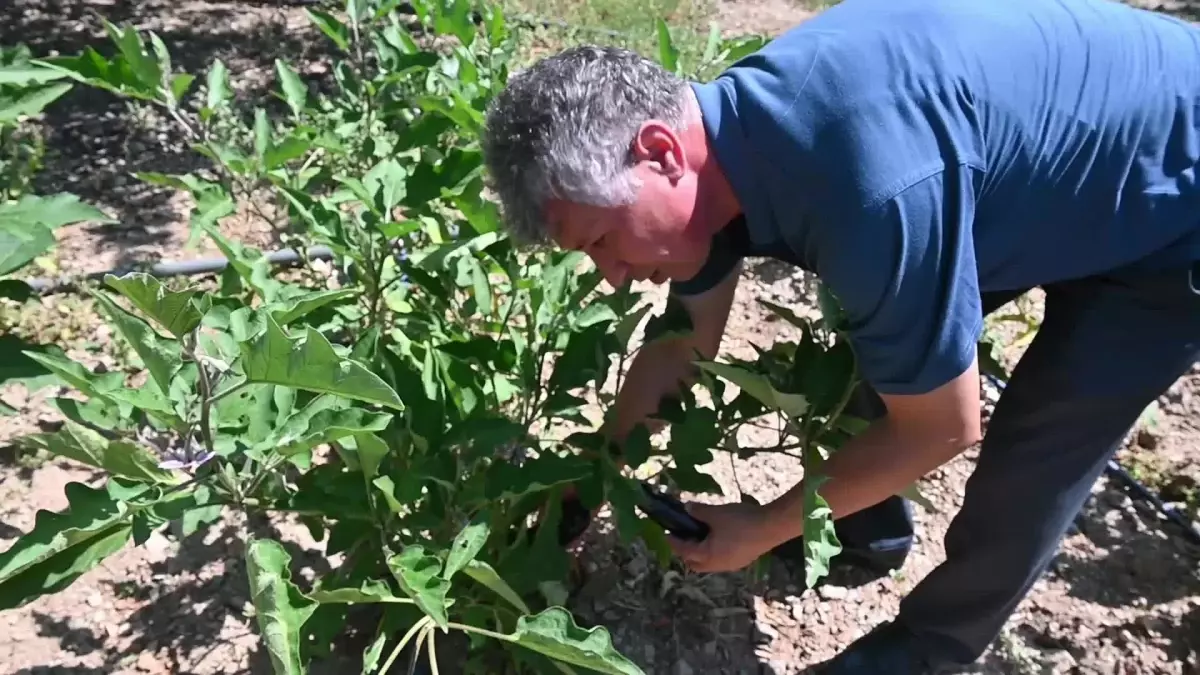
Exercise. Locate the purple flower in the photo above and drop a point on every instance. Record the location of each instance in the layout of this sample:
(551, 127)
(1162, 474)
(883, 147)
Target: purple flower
(173, 455)
(186, 463)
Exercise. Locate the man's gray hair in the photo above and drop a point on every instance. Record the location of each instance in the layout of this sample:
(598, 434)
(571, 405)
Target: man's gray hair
(563, 129)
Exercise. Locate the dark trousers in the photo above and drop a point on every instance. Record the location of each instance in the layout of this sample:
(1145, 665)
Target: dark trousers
(1107, 348)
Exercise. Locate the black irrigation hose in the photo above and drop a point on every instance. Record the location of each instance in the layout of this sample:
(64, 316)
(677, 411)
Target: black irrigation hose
(282, 257)
(1114, 470)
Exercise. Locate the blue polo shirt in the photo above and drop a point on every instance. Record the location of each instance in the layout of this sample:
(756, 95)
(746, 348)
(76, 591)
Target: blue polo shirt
(916, 153)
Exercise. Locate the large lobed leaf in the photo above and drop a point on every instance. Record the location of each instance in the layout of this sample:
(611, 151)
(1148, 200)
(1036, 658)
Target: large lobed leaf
(279, 607)
(127, 460)
(27, 226)
(759, 387)
(309, 362)
(173, 310)
(62, 546)
(553, 632)
(417, 572)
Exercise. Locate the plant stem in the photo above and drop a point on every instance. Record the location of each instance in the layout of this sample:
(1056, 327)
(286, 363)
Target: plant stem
(418, 626)
(205, 391)
(433, 660)
(482, 631)
(229, 390)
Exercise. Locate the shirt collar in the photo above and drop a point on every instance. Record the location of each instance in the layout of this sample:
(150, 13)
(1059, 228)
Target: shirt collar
(718, 109)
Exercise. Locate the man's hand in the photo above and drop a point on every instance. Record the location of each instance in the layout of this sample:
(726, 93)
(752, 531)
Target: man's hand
(740, 534)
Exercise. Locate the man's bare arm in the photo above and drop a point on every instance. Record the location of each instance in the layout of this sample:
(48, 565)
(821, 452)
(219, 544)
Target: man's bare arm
(662, 368)
(918, 434)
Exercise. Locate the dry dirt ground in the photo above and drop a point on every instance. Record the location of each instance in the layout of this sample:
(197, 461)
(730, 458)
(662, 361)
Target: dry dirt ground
(1123, 595)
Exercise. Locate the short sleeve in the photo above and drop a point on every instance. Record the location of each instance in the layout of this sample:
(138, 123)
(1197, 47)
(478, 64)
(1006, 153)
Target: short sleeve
(904, 273)
(727, 250)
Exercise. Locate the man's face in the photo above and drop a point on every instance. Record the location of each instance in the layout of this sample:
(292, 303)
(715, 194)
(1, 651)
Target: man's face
(656, 237)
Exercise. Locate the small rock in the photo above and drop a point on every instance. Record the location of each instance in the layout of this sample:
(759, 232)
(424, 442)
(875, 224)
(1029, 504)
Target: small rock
(828, 592)
(94, 600)
(648, 650)
(1147, 439)
(682, 668)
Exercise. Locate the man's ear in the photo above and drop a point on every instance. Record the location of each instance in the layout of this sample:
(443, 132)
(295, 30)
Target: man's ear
(657, 145)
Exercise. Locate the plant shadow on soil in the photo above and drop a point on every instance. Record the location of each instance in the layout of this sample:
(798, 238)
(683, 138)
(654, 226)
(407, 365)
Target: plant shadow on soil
(1140, 559)
(186, 604)
(95, 141)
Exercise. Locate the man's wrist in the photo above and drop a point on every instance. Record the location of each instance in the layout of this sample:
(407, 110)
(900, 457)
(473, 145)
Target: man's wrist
(783, 519)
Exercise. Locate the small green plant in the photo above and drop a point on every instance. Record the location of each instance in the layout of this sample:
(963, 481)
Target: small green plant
(422, 410)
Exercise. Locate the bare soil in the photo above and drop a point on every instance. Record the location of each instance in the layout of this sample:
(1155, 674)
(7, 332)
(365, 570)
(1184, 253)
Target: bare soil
(1123, 595)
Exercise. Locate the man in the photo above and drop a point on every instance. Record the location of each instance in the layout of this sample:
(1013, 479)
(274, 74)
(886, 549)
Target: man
(929, 160)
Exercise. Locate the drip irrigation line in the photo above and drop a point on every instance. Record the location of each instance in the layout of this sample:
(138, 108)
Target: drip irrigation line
(1114, 470)
(283, 257)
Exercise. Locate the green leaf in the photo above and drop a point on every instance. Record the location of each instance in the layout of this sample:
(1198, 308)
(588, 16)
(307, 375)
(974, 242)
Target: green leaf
(16, 366)
(161, 357)
(75, 375)
(128, 460)
(820, 537)
(385, 182)
(466, 546)
(913, 493)
(554, 633)
(180, 84)
(262, 133)
(785, 314)
(370, 591)
(53, 211)
(332, 28)
(505, 481)
(27, 225)
(371, 451)
(24, 75)
(279, 607)
(417, 574)
(30, 102)
(483, 289)
(292, 309)
(318, 423)
(144, 67)
(18, 247)
(295, 92)
(309, 362)
(486, 575)
(668, 53)
(217, 84)
(62, 546)
(595, 313)
(175, 311)
(759, 387)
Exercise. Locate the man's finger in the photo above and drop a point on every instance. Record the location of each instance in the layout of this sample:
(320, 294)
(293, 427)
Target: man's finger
(692, 553)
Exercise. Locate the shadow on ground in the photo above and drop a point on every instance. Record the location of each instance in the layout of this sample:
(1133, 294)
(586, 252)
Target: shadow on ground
(188, 606)
(95, 141)
(1144, 558)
